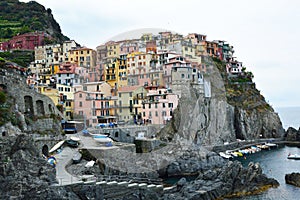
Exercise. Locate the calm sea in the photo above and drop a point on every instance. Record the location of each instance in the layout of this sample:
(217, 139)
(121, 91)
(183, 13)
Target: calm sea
(275, 164)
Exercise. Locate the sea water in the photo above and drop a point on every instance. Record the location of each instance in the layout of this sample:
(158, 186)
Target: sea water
(275, 164)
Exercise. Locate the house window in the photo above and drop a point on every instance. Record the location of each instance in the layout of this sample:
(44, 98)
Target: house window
(80, 95)
(156, 113)
(164, 105)
(170, 105)
(149, 105)
(80, 104)
(182, 75)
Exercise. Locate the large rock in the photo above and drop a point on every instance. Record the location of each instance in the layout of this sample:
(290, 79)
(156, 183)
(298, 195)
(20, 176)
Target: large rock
(293, 179)
(292, 134)
(230, 180)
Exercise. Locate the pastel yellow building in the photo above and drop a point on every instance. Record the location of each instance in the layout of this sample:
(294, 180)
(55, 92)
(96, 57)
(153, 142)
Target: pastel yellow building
(52, 93)
(111, 64)
(130, 102)
(83, 57)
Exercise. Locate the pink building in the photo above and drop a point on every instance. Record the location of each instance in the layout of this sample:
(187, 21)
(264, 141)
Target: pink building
(4, 46)
(129, 46)
(159, 105)
(94, 103)
(27, 41)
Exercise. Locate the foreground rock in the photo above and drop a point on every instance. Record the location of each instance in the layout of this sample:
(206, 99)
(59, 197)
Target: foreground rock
(24, 174)
(229, 181)
(293, 179)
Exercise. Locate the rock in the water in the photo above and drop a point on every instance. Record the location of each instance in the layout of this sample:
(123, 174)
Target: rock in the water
(293, 179)
(292, 134)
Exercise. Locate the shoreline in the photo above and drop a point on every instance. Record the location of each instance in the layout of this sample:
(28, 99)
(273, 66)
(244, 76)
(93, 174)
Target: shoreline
(246, 144)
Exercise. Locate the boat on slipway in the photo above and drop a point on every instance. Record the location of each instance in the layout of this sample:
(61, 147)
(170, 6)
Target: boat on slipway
(102, 138)
(57, 146)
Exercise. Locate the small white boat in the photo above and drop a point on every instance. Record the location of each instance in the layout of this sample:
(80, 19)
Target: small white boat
(294, 156)
(224, 155)
(271, 144)
(57, 146)
(102, 138)
(77, 139)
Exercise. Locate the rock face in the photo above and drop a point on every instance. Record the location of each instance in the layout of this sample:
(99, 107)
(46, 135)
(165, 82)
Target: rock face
(23, 171)
(293, 179)
(213, 121)
(227, 181)
(292, 134)
(31, 111)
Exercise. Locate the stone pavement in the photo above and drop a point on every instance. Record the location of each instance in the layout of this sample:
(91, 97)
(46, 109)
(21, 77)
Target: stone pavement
(63, 159)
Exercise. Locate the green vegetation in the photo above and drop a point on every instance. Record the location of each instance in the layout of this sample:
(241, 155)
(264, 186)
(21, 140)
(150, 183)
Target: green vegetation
(240, 90)
(18, 18)
(22, 58)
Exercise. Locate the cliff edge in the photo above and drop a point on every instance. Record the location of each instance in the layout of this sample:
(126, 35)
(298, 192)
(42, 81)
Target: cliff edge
(235, 110)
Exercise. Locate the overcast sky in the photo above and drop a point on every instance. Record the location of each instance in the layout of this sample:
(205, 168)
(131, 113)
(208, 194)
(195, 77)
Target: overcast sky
(264, 33)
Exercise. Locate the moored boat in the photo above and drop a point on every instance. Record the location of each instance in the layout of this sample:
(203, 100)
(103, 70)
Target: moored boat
(225, 155)
(102, 138)
(294, 156)
(57, 146)
(271, 144)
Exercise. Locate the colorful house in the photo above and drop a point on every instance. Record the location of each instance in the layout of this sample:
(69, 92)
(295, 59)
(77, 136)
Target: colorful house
(94, 103)
(129, 102)
(159, 105)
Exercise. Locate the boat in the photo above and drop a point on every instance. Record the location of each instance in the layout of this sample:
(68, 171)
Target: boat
(294, 156)
(263, 146)
(234, 154)
(72, 143)
(75, 138)
(57, 146)
(271, 144)
(102, 138)
(77, 158)
(225, 155)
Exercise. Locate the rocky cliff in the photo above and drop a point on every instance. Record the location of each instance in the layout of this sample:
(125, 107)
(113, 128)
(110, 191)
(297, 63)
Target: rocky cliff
(18, 17)
(24, 108)
(235, 111)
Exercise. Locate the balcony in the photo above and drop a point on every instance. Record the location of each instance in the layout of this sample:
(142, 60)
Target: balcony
(89, 98)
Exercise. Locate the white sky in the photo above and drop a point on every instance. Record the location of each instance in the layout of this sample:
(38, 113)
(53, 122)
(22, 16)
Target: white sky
(264, 33)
